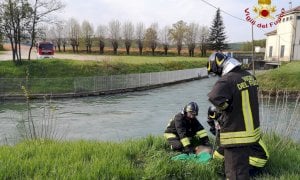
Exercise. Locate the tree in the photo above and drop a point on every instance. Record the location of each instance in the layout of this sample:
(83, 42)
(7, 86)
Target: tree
(101, 34)
(114, 28)
(247, 46)
(217, 35)
(204, 39)
(21, 20)
(177, 33)
(151, 37)
(87, 31)
(15, 19)
(57, 35)
(165, 39)
(42, 9)
(128, 33)
(73, 33)
(191, 38)
(1, 41)
(140, 36)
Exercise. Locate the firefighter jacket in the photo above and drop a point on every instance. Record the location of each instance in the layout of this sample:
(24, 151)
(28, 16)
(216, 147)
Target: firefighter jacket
(259, 154)
(236, 94)
(183, 128)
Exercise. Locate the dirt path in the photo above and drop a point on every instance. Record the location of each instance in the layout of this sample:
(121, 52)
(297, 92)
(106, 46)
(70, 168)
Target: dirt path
(7, 55)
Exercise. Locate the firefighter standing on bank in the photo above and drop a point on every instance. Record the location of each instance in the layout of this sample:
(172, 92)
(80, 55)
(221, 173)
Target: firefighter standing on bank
(258, 155)
(235, 94)
(184, 132)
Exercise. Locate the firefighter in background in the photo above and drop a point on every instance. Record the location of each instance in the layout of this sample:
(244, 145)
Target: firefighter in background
(258, 155)
(184, 132)
(235, 94)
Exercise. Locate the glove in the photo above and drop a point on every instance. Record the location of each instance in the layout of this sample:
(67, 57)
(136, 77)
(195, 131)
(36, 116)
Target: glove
(211, 122)
(213, 130)
(188, 150)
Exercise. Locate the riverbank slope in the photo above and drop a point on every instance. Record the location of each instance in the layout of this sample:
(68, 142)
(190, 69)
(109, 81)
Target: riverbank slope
(147, 158)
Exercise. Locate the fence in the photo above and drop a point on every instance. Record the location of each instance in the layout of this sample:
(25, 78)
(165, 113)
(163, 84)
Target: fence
(12, 87)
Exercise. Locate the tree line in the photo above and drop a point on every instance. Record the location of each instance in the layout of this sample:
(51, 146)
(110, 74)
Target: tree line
(178, 34)
(115, 32)
(32, 21)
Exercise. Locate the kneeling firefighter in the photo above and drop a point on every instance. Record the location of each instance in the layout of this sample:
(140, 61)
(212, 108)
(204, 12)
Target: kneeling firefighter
(184, 132)
(258, 155)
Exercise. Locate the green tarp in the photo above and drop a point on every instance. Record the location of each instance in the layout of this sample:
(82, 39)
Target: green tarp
(202, 157)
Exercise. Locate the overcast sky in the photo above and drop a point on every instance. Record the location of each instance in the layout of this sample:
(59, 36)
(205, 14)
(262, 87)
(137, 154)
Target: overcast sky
(167, 12)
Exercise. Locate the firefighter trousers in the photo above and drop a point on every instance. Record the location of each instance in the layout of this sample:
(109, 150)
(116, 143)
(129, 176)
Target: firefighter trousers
(236, 161)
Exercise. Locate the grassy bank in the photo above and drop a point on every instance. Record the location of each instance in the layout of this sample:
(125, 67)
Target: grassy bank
(52, 68)
(57, 76)
(287, 77)
(148, 158)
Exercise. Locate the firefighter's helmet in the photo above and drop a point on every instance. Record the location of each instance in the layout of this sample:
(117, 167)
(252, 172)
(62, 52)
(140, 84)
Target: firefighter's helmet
(220, 64)
(213, 113)
(191, 107)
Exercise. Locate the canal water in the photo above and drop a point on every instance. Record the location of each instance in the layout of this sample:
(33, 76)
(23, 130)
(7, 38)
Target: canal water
(129, 115)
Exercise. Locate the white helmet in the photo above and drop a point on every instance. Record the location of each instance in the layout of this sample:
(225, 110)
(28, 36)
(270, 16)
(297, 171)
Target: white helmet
(220, 64)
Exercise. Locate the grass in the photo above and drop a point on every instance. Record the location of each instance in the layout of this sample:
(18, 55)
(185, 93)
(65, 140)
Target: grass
(286, 77)
(147, 158)
(52, 68)
(57, 76)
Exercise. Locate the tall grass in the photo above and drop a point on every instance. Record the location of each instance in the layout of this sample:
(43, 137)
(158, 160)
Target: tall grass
(32, 127)
(147, 158)
(280, 114)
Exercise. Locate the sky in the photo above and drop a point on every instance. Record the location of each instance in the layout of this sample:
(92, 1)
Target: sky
(168, 12)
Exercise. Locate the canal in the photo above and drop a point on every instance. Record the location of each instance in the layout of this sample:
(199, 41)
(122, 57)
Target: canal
(130, 115)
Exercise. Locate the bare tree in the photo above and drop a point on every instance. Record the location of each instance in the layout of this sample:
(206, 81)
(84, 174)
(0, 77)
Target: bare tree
(128, 33)
(191, 37)
(1, 40)
(151, 37)
(177, 33)
(140, 36)
(204, 39)
(15, 19)
(114, 28)
(87, 34)
(56, 35)
(73, 33)
(42, 10)
(101, 35)
(165, 39)
(65, 34)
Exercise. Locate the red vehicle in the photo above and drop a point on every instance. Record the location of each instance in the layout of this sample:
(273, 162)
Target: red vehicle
(44, 50)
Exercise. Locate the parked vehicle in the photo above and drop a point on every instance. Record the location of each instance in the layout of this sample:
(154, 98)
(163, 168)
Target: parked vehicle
(44, 50)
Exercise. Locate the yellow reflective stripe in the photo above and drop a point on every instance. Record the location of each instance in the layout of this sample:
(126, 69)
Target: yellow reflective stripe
(217, 155)
(202, 133)
(213, 116)
(223, 106)
(239, 134)
(209, 66)
(247, 112)
(219, 62)
(257, 162)
(185, 141)
(262, 144)
(240, 140)
(169, 135)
